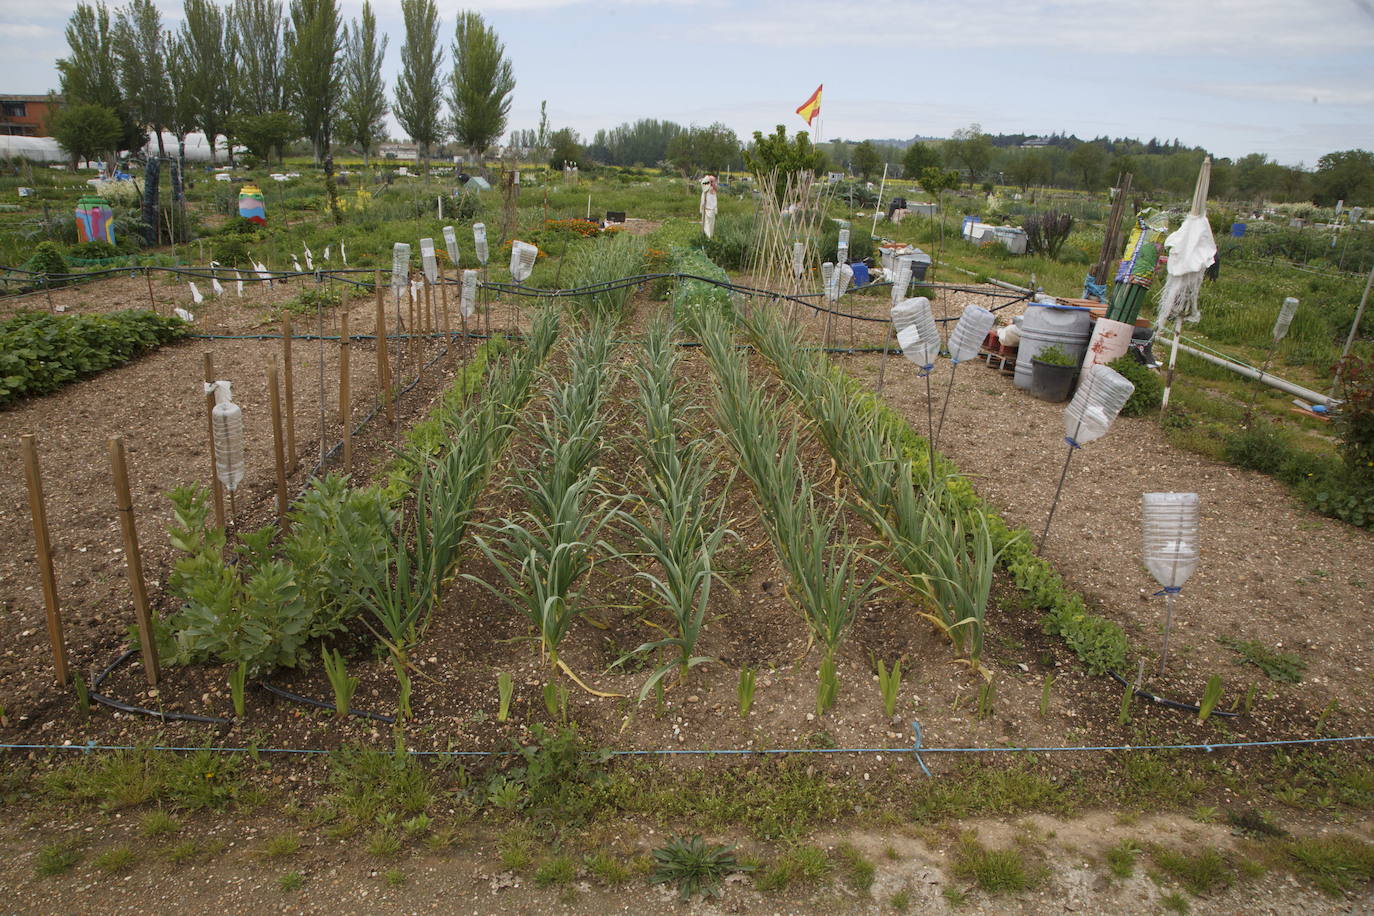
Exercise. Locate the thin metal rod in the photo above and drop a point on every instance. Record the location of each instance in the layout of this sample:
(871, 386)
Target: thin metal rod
(1054, 504)
(930, 427)
(1354, 328)
(944, 408)
(1168, 627)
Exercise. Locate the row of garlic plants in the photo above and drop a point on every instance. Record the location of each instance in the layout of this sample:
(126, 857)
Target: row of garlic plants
(544, 552)
(946, 553)
(346, 551)
(673, 519)
(828, 582)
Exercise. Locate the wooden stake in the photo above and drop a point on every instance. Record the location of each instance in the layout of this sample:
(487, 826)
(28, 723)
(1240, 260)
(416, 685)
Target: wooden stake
(274, 398)
(148, 275)
(125, 506)
(410, 326)
(344, 413)
(443, 306)
(429, 306)
(383, 367)
(43, 546)
(216, 488)
(292, 457)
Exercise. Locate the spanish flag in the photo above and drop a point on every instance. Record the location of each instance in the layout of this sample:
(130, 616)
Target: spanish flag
(811, 108)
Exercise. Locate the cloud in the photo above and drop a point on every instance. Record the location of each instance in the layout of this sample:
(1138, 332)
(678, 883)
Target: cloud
(1164, 29)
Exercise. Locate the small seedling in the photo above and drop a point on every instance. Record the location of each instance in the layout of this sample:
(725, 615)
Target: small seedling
(1126, 694)
(342, 684)
(744, 691)
(118, 859)
(986, 694)
(1248, 704)
(417, 824)
(559, 870)
(281, 846)
(1045, 695)
(56, 859)
(1121, 859)
(291, 881)
(901, 900)
(238, 681)
(556, 701)
(157, 823)
(83, 695)
(888, 684)
(505, 687)
(383, 844)
(1211, 695)
(1326, 714)
(395, 877)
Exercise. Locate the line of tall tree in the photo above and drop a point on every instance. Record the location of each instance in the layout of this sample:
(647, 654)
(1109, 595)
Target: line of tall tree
(1068, 162)
(264, 74)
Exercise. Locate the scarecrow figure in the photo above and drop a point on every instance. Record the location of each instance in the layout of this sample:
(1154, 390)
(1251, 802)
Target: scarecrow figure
(708, 205)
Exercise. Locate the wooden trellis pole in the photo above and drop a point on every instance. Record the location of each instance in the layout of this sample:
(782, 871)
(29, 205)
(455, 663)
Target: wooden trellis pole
(344, 417)
(274, 398)
(383, 367)
(125, 506)
(292, 457)
(43, 545)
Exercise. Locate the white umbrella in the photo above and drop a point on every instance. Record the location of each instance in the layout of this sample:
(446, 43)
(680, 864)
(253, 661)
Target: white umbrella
(1191, 251)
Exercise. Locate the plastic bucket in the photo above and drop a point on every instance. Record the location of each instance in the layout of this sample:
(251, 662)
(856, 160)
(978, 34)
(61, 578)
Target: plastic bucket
(1110, 339)
(1046, 325)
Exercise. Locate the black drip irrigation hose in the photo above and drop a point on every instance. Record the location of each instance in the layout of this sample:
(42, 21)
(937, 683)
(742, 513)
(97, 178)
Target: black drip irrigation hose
(320, 704)
(1170, 704)
(143, 710)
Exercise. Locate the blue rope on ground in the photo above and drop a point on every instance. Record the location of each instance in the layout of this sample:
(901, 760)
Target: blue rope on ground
(916, 750)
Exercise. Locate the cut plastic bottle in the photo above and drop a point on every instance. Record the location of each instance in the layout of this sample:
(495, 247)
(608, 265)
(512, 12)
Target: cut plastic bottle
(1101, 394)
(226, 419)
(917, 332)
(969, 333)
(1170, 532)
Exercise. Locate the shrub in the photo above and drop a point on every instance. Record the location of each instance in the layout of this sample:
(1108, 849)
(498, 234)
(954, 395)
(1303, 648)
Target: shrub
(1355, 420)
(732, 244)
(860, 243)
(1046, 233)
(47, 259)
(1149, 387)
(1263, 447)
(95, 250)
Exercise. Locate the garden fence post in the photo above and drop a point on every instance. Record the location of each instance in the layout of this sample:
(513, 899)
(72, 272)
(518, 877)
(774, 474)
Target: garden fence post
(443, 306)
(44, 549)
(124, 505)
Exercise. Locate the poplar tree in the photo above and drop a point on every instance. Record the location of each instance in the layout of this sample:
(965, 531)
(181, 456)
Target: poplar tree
(91, 74)
(209, 60)
(140, 49)
(482, 83)
(364, 106)
(313, 44)
(418, 90)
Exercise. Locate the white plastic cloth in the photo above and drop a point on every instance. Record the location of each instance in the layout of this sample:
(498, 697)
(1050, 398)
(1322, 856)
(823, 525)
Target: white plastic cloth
(798, 259)
(468, 302)
(226, 422)
(196, 296)
(238, 283)
(1192, 249)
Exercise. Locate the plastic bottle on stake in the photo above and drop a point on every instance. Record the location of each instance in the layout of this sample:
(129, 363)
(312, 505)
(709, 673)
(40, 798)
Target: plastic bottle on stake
(917, 332)
(1169, 524)
(479, 242)
(1286, 312)
(400, 266)
(969, 333)
(451, 244)
(226, 419)
(468, 301)
(1099, 398)
(428, 261)
(522, 258)
(798, 259)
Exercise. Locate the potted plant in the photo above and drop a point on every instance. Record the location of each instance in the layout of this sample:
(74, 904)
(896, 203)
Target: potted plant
(1052, 374)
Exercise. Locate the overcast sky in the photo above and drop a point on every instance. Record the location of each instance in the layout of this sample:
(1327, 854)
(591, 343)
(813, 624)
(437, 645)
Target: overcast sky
(1292, 79)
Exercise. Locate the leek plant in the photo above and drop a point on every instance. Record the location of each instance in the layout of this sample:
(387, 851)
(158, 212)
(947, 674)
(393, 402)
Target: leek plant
(825, 580)
(675, 522)
(542, 552)
(947, 555)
